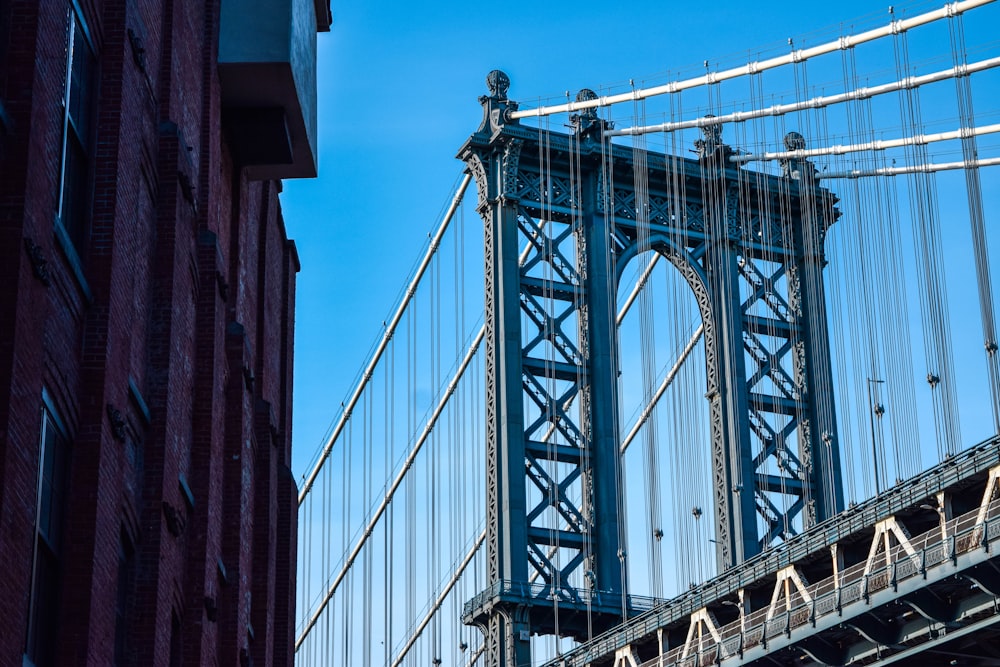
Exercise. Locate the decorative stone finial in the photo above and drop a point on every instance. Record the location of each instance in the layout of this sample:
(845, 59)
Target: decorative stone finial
(498, 82)
(586, 122)
(795, 141)
(711, 140)
(586, 95)
(795, 168)
(496, 107)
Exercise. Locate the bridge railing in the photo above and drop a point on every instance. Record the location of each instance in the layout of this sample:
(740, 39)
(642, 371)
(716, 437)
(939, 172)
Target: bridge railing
(900, 498)
(961, 535)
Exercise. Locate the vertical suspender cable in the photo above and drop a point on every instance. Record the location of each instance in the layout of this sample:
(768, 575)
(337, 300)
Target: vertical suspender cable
(439, 600)
(428, 429)
(984, 285)
(930, 271)
(386, 336)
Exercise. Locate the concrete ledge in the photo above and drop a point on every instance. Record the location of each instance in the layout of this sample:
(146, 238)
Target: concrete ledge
(267, 61)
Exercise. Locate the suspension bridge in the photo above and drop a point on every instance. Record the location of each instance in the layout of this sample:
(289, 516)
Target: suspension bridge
(702, 372)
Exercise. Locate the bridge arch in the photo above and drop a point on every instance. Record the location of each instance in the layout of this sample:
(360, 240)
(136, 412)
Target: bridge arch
(693, 275)
(666, 434)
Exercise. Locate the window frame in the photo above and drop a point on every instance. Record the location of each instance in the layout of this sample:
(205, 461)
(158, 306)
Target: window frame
(49, 538)
(77, 138)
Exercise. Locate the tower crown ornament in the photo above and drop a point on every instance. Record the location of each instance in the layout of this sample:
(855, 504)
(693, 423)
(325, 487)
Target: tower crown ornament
(498, 83)
(587, 123)
(795, 141)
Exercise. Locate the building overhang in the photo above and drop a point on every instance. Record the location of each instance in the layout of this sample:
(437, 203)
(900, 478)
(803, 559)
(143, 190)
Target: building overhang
(267, 72)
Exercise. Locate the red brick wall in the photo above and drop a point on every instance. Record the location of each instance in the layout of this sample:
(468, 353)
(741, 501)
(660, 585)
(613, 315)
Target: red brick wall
(182, 304)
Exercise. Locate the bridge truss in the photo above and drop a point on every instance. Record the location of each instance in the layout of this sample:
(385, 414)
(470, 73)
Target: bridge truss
(750, 247)
(903, 574)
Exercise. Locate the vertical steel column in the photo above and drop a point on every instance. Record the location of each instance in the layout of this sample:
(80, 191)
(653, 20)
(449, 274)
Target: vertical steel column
(813, 369)
(553, 471)
(600, 387)
(506, 633)
(732, 453)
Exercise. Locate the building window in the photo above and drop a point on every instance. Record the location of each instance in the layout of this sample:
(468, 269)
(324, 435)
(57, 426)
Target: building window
(126, 580)
(53, 478)
(176, 654)
(78, 107)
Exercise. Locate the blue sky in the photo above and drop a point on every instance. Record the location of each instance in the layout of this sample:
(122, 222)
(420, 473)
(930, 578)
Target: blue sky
(398, 89)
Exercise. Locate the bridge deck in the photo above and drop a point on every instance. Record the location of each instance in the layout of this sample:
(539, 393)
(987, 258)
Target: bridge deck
(966, 550)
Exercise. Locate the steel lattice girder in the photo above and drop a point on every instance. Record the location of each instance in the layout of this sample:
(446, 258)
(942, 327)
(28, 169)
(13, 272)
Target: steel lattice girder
(552, 357)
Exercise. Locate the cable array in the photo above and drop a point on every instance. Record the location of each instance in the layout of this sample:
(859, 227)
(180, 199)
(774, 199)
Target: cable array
(850, 175)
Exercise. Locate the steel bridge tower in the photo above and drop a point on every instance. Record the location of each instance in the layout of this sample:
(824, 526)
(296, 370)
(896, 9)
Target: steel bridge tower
(562, 219)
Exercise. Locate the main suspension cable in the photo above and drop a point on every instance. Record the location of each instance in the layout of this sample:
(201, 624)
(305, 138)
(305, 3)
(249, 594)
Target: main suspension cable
(857, 94)
(370, 528)
(799, 55)
(667, 380)
(440, 598)
(387, 335)
(877, 145)
(925, 168)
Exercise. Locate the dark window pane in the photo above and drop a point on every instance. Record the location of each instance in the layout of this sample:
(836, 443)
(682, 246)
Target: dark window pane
(53, 474)
(44, 611)
(52, 482)
(74, 211)
(45, 479)
(126, 569)
(81, 91)
(175, 641)
(76, 184)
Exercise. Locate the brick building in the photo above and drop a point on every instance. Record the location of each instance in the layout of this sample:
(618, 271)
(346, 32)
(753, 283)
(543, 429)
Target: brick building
(147, 510)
